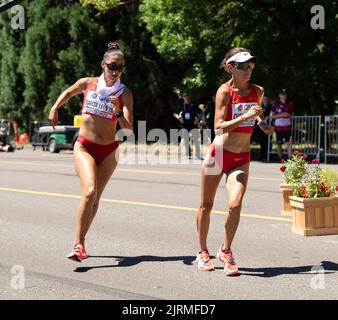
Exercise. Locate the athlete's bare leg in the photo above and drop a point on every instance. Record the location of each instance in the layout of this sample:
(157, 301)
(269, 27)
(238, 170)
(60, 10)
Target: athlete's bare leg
(104, 172)
(85, 167)
(209, 184)
(236, 185)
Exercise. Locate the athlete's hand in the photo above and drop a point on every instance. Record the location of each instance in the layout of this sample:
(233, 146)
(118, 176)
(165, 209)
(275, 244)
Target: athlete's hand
(267, 128)
(115, 102)
(53, 117)
(253, 112)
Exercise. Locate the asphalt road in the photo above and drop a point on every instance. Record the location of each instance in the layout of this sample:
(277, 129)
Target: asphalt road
(143, 242)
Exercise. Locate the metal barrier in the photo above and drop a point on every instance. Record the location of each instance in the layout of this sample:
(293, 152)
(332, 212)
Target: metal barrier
(305, 136)
(331, 136)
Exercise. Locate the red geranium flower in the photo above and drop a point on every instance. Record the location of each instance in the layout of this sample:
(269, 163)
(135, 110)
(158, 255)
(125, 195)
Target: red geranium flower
(304, 156)
(283, 168)
(315, 161)
(296, 153)
(323, 188)
(303, 192)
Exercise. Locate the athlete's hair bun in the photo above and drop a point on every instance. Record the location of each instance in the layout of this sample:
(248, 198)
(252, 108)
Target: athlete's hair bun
(113, 49)
(113, 46)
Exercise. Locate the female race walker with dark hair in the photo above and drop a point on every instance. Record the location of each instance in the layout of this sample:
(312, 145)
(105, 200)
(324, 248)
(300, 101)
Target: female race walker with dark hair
(237, 107)
(106, 101)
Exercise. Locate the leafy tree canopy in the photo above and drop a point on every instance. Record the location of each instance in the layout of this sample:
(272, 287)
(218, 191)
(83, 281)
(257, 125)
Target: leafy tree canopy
(101, 5)
(170, 46)
(291, 54)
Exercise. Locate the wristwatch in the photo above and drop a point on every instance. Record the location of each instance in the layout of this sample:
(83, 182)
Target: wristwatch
(120, 114)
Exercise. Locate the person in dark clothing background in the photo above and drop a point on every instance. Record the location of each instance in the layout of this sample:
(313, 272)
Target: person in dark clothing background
(209, 113)
(264, 138)
(189, 115)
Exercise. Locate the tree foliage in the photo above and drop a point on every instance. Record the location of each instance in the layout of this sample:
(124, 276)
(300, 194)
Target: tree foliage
(101, 5)
(62, 43)
(11, 84)
(52, 54)
(170, 46)
(291, 53)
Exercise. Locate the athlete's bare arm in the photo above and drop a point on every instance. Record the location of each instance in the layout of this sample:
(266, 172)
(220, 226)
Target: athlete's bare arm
(77, 88)
(267, 128)
(126, 122)
(260, 95)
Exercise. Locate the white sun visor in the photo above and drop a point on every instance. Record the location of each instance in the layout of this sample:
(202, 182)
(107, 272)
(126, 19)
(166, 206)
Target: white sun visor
(242, 57)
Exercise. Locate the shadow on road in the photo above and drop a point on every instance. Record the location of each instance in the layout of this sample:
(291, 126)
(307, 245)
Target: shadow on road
(132, 261)
(328, 268)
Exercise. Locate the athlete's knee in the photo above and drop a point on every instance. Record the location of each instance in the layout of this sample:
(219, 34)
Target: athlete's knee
(90, 194)
(206, 206)
(235, 205)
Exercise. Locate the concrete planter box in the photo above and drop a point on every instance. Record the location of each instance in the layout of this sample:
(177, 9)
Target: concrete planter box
(314, 217)
(287, 190)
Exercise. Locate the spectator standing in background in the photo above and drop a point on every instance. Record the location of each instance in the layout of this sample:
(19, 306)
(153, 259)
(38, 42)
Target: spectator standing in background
(202, 122)
(282, 112)
(189, 115)
(209, 113)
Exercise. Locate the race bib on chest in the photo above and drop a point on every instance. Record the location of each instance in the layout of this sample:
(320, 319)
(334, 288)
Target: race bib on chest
(97, 105)
(239, 109)
(187, 116)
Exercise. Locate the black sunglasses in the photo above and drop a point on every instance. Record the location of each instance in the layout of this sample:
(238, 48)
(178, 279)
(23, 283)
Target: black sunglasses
(244, 65)
(115, 67)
